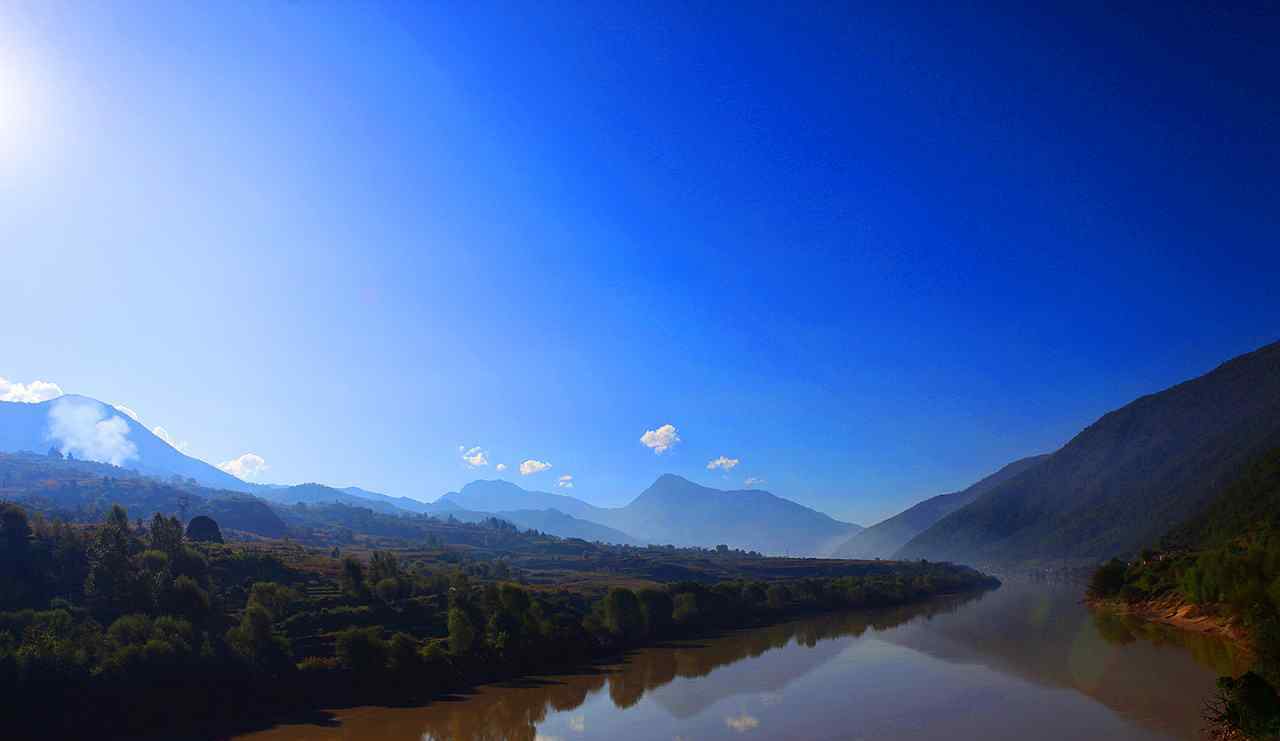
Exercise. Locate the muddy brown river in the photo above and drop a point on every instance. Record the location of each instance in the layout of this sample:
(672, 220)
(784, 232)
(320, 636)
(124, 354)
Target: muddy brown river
(1026, 661)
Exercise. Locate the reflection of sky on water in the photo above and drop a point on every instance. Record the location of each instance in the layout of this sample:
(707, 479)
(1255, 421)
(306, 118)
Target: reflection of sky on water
(1022, 662)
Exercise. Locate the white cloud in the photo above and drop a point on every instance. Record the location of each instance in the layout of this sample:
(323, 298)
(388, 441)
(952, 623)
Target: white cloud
(723, 463)
(474, 457)
(247, 467)
(662, 439)
(578, 724)
(83, 428)
(182, 446)
(501, 467)
(28, 393)
(753, 481)
(531, 466)
(565, 482)
(128, 412)
(742, 723)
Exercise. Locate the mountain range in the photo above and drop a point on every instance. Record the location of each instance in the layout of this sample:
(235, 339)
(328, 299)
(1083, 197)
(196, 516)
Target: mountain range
(883, 539)
(676, 511)
(1127, 478)
(673, 510)
(1116, 487)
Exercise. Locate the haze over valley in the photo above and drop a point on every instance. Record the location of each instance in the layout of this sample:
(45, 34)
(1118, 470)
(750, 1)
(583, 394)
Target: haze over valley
(392, 371)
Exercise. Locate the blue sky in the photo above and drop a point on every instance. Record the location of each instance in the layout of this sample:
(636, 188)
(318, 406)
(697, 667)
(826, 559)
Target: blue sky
(872, 253)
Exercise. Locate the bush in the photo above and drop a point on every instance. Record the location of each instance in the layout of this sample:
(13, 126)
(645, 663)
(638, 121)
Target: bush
(1108, 580)
(362, 650)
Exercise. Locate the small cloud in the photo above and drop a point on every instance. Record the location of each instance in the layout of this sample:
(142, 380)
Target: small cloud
(128, 412)
(28, 393)
(531, 466)
(181, 446)
(565, 482)
(474, 457)
(247, 467)
(660, 440)
(752, 481)
(578, 724)
(742, 723)
(724, 463)
(501, 467)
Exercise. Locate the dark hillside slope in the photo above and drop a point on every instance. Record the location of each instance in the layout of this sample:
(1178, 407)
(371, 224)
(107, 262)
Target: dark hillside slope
(1126, 479)
(884, 539)
(83, 492)
(1247, 509)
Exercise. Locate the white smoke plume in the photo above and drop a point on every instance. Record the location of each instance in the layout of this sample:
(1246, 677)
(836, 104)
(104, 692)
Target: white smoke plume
(87, 430)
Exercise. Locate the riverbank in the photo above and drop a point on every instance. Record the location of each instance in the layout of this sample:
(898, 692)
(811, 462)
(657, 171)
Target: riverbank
(1173, 610)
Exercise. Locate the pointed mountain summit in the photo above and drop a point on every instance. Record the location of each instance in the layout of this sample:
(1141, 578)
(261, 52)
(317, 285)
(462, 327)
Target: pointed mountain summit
(678, 511)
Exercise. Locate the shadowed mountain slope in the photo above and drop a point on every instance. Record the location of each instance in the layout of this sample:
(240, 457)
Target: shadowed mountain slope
(1126, 479)
(883, 539)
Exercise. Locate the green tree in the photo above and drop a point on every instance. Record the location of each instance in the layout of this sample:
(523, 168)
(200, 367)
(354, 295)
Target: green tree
(402, 654)
(1107, 580)
(463, 630)
(276, 599)
(686, 610)
(255, 641)
(362, 650)
(188, 599)
(352, 578)
(166, 534)
(383, 565)
(111, 584)
(622, 614)
(656, 606)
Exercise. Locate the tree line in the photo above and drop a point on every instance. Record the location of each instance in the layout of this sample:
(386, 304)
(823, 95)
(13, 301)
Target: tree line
(141, 630)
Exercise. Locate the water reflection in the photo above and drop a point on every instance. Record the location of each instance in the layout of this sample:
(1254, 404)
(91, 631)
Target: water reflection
(517, 714)
(1152, 673)
(1025, 660)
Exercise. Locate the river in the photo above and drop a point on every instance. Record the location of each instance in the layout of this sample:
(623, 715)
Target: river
(1025, 661)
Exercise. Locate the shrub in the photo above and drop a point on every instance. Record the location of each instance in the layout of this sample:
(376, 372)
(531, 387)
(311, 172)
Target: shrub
(362, 650)
(1107, 580)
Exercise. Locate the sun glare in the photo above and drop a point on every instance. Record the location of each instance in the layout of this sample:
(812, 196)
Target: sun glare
(17, 105)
